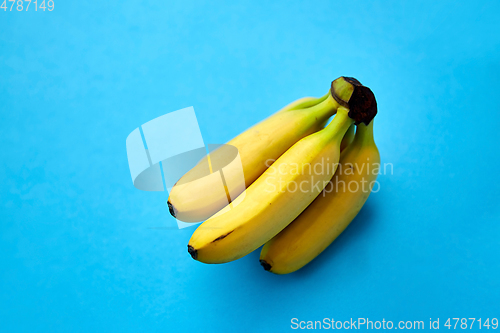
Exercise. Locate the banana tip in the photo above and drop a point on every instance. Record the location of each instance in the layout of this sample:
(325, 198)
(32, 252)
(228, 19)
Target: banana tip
(171, 208)
(265, 264)
(193, 252)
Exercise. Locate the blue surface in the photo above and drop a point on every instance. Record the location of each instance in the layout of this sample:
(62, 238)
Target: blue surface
(83, 250)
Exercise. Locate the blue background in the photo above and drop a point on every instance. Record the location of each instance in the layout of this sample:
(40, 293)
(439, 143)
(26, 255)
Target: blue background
(81, 249)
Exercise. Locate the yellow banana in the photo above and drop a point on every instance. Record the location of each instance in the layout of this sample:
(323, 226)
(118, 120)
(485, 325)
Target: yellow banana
(284, 190)
(331, 212)
(198, 194)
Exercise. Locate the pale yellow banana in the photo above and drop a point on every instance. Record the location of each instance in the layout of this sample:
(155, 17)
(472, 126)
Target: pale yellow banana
(331, 212)
(198, 194)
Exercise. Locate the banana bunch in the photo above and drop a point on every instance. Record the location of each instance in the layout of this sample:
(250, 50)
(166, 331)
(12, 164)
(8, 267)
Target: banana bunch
(299, 204)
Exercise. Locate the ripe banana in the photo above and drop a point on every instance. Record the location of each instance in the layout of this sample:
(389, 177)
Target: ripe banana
(284, 190)
(331, 212)
(194, 197)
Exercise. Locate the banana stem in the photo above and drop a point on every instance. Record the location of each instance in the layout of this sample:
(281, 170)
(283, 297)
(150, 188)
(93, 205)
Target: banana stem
(328, 107)
(348, 137)
(311, 103)
(340, 123)
(321, 99)
(364, 134)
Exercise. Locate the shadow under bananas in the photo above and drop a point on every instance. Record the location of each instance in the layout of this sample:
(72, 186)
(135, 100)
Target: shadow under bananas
(361, 225)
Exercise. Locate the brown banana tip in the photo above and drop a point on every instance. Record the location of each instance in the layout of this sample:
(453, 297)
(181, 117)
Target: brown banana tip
(193, 252)
(362, 104)
(171, 209)
(264, 264)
